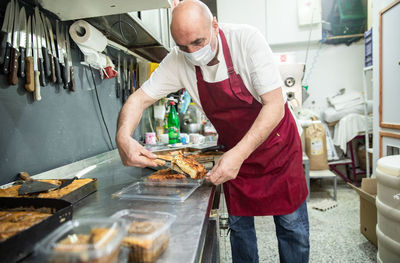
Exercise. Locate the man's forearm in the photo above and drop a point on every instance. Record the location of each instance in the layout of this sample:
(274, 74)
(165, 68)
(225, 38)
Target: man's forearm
(268, 118)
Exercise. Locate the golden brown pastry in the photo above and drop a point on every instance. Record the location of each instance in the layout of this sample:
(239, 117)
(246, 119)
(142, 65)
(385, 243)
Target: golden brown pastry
(165, 175)
(13, 222)
(13, 190)
(190, 166)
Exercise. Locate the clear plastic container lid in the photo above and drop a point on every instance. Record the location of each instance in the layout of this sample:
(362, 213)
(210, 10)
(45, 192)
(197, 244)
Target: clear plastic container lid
(83, 240)
(151, 224)
(157, 191)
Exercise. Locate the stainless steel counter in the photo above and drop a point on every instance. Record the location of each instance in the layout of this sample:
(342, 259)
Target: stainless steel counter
(188, 231)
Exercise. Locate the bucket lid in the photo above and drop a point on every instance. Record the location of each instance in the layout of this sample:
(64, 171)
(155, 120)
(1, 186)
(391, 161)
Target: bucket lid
(390, 165)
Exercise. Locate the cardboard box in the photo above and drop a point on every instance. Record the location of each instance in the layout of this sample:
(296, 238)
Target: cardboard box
(368, 213)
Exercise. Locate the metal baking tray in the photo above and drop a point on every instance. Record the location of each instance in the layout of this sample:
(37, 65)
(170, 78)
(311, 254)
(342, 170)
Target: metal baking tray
(21, 245)
(71, 197)
(157, 191)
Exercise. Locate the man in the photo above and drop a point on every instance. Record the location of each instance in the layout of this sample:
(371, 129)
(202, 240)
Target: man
(229, 72)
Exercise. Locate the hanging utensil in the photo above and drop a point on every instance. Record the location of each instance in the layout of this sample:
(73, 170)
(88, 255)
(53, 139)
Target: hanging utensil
(7, 48)
(4, 32)
(35, 60)
(69, 60)
(118, 81)
(30, 80)
(22, 42)
(40, 39)
(13, 77)
(56, 75)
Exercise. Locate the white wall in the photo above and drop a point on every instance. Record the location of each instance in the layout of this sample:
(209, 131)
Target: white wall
(242, 12)
(336, 67)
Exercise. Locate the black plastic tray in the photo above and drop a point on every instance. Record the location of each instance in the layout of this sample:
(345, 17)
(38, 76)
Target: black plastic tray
(22, 244)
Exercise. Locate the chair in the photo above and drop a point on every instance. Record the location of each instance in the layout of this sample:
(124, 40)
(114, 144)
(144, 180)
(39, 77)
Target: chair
(324, 174)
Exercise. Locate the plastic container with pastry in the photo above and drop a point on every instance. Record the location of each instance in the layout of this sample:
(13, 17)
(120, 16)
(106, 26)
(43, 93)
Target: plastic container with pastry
(148, 233)
(90, 240)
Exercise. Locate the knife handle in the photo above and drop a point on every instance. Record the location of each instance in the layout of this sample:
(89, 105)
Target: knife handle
(30, 79)
(57, 70)
(37, 86)
(25, 176)
(72, 85)
(13, 77)
(118, 89)
(22, 62)
(46, 62)
(6, 64)
(3, 46)
(42, 73)
(53, 77)
(66, 73)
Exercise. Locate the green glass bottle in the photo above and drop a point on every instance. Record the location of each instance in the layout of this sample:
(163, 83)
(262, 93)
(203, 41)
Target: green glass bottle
(173, 125)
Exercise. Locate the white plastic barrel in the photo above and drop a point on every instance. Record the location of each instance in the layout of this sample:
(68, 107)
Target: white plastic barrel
(388, 207)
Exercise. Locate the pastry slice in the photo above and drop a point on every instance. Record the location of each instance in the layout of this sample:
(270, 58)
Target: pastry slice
(189, 166)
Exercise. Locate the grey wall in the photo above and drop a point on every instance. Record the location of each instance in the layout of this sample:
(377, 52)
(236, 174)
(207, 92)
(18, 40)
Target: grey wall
(61, 128)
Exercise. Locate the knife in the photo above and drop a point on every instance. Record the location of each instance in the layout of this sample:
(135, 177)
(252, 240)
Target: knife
(125, 82)
(38, 34)
(118, 84)
(128, 81)
(29, 84)
(56, 75)
(7, 52)
(60, 52)
(131, 90)
(51, 72)
(45, 46)
(3, 32)
(22, 42)
(65, 71)
(71, 67)
(35, 47)
(12, 77)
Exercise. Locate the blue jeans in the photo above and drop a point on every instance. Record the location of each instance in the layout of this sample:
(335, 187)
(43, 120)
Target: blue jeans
(292, 231)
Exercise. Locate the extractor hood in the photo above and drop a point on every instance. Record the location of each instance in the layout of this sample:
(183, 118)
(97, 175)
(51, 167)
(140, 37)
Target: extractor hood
(127, 30)
(116, 20)
(79, 9)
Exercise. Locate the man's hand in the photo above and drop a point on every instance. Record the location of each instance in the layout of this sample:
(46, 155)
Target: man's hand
(227, 168)
(134, 154)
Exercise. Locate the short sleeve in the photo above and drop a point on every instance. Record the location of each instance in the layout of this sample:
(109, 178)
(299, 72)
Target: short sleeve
(165, 79)
(264, 73)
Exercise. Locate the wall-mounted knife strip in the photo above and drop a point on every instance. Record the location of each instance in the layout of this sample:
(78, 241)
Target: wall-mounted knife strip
(13, 53)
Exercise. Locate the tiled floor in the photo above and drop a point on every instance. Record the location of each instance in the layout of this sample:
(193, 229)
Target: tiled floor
(334, 234)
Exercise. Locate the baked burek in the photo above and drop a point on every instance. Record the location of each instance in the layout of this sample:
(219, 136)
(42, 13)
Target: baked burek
(189, 166)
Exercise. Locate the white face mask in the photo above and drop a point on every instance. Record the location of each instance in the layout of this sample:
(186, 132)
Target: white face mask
(202, 56)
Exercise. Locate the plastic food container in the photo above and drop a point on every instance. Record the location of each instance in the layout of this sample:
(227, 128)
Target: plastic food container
(158, 191)
(85, 240)
(147, 235)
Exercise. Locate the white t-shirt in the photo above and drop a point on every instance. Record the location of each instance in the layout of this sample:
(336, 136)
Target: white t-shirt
(251, 56)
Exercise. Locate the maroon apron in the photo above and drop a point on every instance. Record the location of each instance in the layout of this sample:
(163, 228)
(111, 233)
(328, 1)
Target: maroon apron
(271, 180)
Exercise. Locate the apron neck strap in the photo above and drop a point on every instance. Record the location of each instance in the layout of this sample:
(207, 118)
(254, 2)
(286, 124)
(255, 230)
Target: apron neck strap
(227, 53)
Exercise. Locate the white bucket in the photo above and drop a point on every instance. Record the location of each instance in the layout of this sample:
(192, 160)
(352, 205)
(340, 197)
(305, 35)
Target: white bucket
(388, 207)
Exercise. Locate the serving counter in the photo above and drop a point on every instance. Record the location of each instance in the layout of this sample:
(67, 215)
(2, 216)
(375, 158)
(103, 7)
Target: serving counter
(193, 235)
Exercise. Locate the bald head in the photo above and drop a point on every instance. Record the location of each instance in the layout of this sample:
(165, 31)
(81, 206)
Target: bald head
(191, 25)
